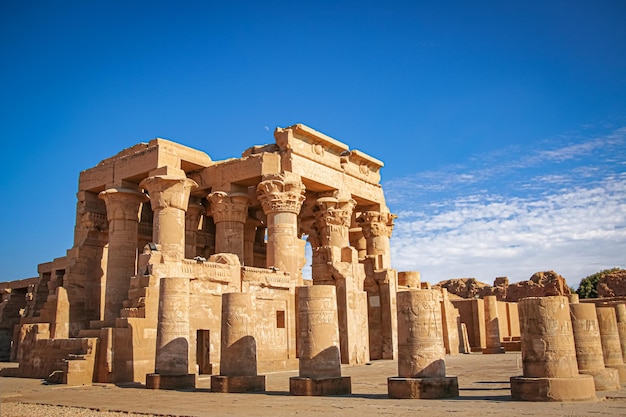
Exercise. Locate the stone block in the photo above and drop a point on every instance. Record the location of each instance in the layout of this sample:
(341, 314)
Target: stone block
(173, 382)
(220, 383)
(606, 379)
(577, 388)
(427, 388)
(341, 385)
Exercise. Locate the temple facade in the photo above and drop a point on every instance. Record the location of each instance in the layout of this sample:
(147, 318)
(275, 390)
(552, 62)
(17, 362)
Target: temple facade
(163, 231)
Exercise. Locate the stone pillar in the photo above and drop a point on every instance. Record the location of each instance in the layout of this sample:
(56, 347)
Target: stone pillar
(421, 365)
(377, 228)
(281, 196)
(123, 207)
(192, 222)
(409, 279)
(172, 365)
(249, 237)
(609, 337)
(492, 326)
(229, 212)
(548, 354)
(238, 355)
(333, 219)
(318, 345)
(169, 198)
(620, 314)
(589, 348)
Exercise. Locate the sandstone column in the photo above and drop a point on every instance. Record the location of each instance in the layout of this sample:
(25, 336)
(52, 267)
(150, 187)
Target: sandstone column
(411, 279)
(229, 212)
(238, 356)
(192, 222)
(169, 198)
(421, 365)
(620, 314)
(249, 238)
(281, 196)
(336, 263)
(123, 206)
(318, 346)
(609, 337)
(492, 326)
(377, 228)
(171, 369)
(333, 219)
(381, 285)
(589, 348)
(548, 354)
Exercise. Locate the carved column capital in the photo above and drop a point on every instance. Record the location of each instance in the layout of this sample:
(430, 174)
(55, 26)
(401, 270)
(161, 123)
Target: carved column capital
(375, 223)
(334, 212)
(168, 191)
(122, 203)
(229, 207)
(281, 193)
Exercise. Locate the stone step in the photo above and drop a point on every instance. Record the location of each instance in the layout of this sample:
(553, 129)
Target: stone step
(97, 324)
(135, 293)
(135, 312)
(89, 333)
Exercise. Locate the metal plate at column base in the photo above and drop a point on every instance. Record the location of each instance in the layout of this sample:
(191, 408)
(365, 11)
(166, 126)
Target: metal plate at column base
(579, 388)
(621, 370)
(606, 379)
(436, 387)
(220, 383)
(158, 381)
(341, 385)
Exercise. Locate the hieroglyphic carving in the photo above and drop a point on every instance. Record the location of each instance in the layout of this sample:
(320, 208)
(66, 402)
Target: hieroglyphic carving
(547, 339)
(420, 334)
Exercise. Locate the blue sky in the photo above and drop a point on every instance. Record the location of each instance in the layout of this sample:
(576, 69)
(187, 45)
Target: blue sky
(502, 125)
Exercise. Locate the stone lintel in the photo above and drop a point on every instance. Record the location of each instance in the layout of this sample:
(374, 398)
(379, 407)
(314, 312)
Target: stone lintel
(220, 383)
(578, 388)
(425, 388)
(173, 382)
(318, 137)
(303, 386)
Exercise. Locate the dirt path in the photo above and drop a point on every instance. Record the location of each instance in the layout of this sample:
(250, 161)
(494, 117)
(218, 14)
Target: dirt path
(483, 383)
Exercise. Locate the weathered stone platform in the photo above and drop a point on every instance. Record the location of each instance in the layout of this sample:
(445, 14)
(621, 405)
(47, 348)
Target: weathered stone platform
(580, 388)
(341, 385)
(157, 381)
(220, 383)
(433, 387)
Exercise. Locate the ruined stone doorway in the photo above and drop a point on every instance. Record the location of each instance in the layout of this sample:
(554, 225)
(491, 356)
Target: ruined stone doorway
(203, 352)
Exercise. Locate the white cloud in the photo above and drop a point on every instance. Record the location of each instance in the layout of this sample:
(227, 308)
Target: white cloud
(575, 232)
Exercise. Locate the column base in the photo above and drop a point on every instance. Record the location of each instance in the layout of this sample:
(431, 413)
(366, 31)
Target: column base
(436, 387)
(158, 381)
(492, 350)
(578, 388)
(220, 383)
(606, 379)
(341, 385)
(621, 370)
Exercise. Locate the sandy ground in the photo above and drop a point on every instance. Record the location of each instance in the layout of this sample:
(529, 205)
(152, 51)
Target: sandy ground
(483, 382)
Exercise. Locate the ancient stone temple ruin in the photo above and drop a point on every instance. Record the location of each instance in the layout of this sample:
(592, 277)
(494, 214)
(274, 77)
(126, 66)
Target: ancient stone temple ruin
(163, 231)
